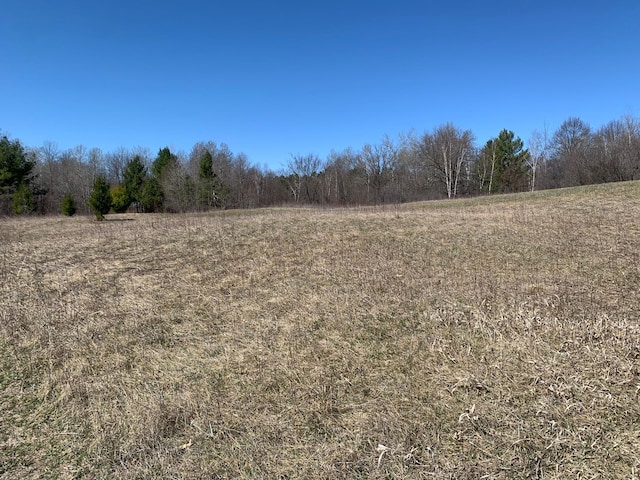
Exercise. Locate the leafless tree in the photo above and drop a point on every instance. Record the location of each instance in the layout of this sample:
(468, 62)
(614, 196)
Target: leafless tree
(339, 167)
(447, 151)
(70, 171)
(616, 151)
(303, 171)
(378, 163)
(116, 163)
(538, 154)
(569, 151)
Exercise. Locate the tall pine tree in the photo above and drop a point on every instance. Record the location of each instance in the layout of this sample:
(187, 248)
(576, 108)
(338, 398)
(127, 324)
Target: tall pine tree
(135, 174)
(502, 165)
(211, 192)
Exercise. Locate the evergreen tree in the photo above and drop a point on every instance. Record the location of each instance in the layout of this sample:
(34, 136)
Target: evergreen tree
(100, 199)
(15, 176)
(151, 196)
(68, 205)
(205, 171)
(23, 201)
(134, 175)
(211, 192)
(164, 161)
(502, 165)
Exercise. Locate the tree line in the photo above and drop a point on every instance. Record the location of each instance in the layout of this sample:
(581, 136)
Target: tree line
(445, 162)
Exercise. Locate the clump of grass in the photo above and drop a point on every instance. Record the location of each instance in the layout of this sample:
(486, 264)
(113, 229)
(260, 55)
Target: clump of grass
(493, 338)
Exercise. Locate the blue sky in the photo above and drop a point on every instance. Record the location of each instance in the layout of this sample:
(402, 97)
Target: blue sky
(272, 79)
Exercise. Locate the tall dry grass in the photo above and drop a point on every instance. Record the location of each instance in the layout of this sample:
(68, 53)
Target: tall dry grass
(488, 338)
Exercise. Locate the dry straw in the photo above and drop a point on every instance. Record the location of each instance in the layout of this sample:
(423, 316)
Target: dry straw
(488, 338)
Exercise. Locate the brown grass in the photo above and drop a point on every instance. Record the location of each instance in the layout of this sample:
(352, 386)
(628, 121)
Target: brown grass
(487, 338)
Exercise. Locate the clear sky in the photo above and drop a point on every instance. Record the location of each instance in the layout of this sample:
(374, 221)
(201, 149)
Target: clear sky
(277, 78)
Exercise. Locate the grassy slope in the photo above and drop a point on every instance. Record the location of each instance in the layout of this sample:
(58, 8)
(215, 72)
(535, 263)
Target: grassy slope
(497, 336)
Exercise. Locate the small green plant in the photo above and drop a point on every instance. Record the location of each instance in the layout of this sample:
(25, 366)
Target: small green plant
(68, 205)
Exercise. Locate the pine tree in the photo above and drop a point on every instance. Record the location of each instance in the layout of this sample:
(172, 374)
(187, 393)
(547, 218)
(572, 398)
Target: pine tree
(163, 162)
(100, 199)
(151, 195)
(211, 192)
(512, 163)
(23, 201)
(16, 169)
(502, 165)
(134, 175)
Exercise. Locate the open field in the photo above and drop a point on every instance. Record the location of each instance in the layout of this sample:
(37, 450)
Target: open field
(488, 338)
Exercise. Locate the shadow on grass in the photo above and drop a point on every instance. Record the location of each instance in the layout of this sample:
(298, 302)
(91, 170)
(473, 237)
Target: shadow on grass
(111, 219)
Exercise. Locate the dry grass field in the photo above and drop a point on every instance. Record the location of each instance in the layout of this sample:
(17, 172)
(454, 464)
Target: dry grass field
(487, 338)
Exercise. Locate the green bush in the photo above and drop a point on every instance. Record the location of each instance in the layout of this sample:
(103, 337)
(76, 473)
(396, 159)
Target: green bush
(120, 199)
(68, 205)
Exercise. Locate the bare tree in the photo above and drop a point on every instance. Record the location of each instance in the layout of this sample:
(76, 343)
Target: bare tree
(47, 173)
(378, 163)
(486, 164)
(447, 151)
(302, 179)
(615, 154)
(632, 146)
(178, 186)
(240, 182)
(339, 184)
(116, 162)
(538, 154)
(71, 172)
(569, 152)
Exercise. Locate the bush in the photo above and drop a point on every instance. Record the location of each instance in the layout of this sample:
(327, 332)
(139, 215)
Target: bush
(120, 199)
(68, 205)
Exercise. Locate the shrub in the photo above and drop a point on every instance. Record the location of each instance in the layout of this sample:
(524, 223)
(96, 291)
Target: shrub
(68, 205)
(120, 199)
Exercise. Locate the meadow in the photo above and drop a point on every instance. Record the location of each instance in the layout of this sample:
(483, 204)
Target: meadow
(496, 337)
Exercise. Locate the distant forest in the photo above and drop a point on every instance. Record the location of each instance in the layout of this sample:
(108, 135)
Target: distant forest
(443, 163)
